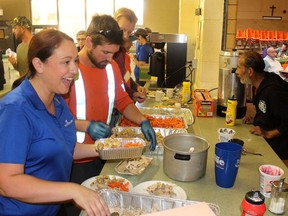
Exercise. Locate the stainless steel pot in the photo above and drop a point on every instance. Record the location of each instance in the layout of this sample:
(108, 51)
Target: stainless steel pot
(185, 156)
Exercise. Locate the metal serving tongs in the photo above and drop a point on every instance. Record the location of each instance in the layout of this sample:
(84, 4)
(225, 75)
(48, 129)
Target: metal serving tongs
(245, 152)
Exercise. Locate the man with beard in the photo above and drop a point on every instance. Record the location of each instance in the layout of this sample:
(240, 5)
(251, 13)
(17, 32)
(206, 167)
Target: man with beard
(270, 101)
(22, 30)
(98, 89)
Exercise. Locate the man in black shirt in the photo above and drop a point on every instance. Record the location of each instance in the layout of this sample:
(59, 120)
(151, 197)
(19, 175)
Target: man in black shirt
(270, 101)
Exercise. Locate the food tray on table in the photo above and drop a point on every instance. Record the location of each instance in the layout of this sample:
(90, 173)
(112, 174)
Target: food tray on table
(133, 166)
(135, 132)
(157, 121)
(135, 204)
(185, 112)
(119, 148)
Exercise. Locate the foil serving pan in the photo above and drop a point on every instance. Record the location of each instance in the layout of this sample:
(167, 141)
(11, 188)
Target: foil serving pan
(121, 152)
(163, 131)
(185, 112)
(157, 117)
(126, 203)
(123, 166)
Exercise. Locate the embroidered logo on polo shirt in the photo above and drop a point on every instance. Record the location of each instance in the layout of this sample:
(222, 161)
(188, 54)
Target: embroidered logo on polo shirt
(262, 106)
(67, 123)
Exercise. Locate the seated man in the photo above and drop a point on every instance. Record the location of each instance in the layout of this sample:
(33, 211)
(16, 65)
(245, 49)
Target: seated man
(271, 64)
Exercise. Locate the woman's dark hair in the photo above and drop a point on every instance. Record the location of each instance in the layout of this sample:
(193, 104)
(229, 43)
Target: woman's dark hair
(254, 60)
(105, 29)
(42, 46)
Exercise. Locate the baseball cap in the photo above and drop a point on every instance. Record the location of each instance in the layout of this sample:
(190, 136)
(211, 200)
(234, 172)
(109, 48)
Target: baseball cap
(20, 21)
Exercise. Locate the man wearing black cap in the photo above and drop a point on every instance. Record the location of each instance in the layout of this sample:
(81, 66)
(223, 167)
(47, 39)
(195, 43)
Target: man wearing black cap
(22, 30)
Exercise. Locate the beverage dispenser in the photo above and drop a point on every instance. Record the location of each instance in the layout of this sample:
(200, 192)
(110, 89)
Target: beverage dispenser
(230, 85)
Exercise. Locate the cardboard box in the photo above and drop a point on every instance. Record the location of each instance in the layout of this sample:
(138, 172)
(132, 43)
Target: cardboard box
(203, 103)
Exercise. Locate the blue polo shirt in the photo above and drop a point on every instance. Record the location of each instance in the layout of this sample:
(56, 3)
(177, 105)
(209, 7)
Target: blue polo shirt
(143, 54)
(32, 136)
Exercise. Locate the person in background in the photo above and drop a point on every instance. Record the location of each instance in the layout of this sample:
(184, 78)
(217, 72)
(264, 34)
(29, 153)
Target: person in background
(142, 56)
(127, 20)
(22, 30)
(272, 65)
(98, 89)
(81, 37)
(149, 31)
(270, 101)
(38, 135)
(282, 52)
(127, 45)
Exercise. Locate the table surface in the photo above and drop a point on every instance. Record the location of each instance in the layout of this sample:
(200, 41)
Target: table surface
(205, 189)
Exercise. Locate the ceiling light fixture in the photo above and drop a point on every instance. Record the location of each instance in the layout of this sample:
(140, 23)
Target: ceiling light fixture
(272, 18)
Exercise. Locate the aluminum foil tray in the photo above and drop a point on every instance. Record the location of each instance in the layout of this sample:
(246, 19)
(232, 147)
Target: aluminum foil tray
(124, 168)
(135, 204)
(121, 153)
(158, 116)
(163, 131)
(185, 112)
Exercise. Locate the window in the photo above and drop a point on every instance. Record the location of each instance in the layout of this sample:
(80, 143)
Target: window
(46, 15)
(77, 16)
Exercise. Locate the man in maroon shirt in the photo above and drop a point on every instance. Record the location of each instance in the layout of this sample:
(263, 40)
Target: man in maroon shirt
(127, 20)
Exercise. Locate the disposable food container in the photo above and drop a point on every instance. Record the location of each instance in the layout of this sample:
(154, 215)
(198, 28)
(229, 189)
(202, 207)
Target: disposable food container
(121, 152)
(164, 117)
(184, 112)
(135, 204)
(122, 167)
(137, 130)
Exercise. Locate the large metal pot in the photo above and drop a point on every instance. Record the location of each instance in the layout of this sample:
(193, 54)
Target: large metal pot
(185, 156)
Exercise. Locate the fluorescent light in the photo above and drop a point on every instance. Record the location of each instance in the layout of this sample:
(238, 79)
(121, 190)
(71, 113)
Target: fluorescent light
(1, 12)
(272, 17)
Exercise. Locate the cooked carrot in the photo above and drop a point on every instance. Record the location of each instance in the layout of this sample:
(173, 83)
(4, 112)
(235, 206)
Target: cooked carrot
(119, 185)
(171, 122)
(131, 145)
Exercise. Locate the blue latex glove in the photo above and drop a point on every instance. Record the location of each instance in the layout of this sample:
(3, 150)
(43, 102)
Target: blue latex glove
(149, 133)
(97, 130)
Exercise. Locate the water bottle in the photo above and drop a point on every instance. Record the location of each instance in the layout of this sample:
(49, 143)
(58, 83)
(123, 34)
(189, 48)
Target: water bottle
(231, 111)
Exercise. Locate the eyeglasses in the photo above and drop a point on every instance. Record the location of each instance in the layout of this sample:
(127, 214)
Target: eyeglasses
(81, 39)
(111, 33)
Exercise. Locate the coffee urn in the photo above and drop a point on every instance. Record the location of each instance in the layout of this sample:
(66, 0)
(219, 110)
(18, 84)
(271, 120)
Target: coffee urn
(230, 85)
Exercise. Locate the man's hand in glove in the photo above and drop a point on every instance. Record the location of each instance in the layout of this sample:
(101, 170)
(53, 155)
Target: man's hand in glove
(149, 133)
(97, 130)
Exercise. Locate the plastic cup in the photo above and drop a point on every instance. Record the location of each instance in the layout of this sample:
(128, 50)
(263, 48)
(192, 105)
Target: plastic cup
(238, 141)
(225, 134)
(268, 174)
(170, 93)
(158, 95)
(227, 160)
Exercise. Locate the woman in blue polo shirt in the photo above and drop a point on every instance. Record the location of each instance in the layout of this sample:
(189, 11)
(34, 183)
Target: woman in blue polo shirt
(38, 135)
